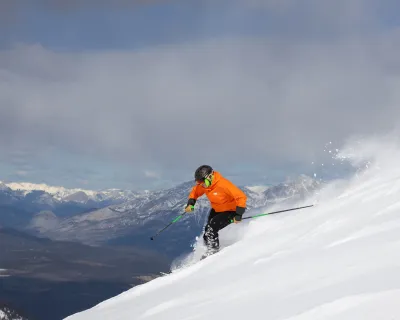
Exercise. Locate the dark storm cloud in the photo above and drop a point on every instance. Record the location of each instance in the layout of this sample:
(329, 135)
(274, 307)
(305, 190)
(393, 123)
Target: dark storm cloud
(214, 101)
(12, 11)
(262, 101)
(10, 6)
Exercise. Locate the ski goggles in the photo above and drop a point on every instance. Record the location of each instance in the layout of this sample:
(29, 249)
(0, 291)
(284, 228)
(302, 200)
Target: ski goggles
(206, 182)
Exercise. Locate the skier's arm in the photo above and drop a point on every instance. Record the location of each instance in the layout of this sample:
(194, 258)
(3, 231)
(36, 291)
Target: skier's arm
(240, 198)
(194, 195)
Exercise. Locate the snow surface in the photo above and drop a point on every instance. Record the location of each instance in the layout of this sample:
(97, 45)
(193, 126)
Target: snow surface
(337, 260)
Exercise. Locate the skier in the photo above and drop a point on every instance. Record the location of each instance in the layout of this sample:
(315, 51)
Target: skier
(228, 203)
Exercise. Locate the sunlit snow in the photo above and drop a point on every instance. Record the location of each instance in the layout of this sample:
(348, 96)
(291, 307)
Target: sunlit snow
(337, 260)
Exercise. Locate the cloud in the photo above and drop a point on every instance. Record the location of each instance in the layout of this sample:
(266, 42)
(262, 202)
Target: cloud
(151, 174)
(9, 6)
(13, 12)
(83, 181)
(265, 102)
(21, 173)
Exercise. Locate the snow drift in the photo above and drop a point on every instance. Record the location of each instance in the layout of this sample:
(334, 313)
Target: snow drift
(337, 260)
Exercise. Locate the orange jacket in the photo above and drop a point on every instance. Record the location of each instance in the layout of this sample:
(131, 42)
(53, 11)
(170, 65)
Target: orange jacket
(223, 194)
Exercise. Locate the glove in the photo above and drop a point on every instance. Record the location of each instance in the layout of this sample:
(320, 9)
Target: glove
(238, 216)
(189, 208)
(190, 205)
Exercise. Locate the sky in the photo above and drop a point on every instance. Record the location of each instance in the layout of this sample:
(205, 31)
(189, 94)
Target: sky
(138, 94)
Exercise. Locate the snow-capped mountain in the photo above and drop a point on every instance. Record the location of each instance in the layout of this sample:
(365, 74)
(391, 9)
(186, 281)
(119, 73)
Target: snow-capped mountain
(4, 187)
(338, 260)
(77, 195)
(19, 202)
(58, 192)
(135, 221)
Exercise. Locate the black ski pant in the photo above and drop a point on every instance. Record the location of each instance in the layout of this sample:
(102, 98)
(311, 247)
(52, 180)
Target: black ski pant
(216, 221)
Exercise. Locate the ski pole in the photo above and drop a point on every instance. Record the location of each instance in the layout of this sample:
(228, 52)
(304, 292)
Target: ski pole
(169, 224)
(267, 214)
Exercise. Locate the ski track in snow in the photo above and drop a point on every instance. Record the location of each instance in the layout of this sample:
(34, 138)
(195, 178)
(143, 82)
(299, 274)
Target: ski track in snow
(349, 307)
(338, 260)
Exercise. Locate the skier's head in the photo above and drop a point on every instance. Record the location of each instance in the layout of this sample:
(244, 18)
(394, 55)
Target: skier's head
(204, 175)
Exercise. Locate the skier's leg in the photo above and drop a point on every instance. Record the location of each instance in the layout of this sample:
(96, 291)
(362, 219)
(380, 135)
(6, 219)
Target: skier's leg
(216, 223)
(206, 236)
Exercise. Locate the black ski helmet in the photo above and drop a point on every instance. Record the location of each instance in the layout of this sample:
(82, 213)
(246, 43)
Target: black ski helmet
(202, 172)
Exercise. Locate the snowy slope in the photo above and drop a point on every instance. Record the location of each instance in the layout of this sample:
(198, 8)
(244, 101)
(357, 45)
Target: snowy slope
(337, 260)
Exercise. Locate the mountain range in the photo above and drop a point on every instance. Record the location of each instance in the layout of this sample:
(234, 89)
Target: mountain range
(123, 217)
(84, 246)
(62, 194)
(19, 202)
